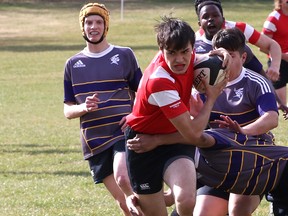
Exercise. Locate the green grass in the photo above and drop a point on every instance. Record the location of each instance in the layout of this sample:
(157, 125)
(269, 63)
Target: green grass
(42, 171)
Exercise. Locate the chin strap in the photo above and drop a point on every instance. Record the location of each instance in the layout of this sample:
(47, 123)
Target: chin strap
(97, 42)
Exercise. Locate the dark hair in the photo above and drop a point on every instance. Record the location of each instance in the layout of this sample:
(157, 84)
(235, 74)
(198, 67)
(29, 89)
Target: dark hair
(173, 33)
(199, 4)
(230, 39)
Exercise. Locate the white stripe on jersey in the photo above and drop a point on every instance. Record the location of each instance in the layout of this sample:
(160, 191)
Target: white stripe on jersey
(270, 26)
(161, 73)
(249, 30)
(258, 79)
(164, 98)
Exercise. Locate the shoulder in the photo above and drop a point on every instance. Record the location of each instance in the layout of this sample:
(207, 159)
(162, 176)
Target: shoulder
(203, 46)
(275, 14)
(75, 58)
(257, 80)
(123, 49)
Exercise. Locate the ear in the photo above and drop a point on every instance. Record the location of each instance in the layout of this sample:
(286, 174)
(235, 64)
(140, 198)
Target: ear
(244, 56)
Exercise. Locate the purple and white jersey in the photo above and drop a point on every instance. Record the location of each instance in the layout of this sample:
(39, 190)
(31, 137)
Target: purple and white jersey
(245, 99)
(252, 168)
(114, 75)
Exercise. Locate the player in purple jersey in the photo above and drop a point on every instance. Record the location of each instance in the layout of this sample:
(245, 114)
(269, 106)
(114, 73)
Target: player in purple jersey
(99, 87)
(211, 20)
(247, 105)
(225, 163)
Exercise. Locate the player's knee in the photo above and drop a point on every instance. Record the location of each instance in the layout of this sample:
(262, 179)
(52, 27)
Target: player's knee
(185, 204)
(240, 211)
(122, 181)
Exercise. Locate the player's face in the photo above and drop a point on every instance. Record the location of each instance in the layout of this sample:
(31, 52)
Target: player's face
(94, 27)
(237, 63)
(210, 20)
(178, 60)
(284, 4)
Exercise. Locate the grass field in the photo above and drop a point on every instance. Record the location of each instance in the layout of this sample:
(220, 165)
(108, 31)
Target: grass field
(42, 171)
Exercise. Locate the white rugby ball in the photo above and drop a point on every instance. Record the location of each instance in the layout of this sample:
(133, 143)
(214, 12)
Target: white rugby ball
(209, 68)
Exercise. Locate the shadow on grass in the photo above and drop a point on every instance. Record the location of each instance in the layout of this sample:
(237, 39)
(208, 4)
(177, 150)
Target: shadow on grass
(56, 47)
(56, 173)
(36, 149)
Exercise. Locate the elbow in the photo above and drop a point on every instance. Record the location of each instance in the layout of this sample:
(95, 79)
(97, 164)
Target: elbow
(67, 115)
(195, 139)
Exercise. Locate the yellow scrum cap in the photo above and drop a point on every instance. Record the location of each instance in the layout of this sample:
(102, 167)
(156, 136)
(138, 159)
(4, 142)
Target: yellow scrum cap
(94, 9)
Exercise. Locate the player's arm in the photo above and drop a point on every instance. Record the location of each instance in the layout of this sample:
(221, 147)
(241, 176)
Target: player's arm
(73, 110)
(145, 142)
(268, 121)
(271, 47)
(190, 130)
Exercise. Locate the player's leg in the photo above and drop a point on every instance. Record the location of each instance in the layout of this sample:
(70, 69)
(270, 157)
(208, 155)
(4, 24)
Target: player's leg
(117, 193)
(180, 176)
(122, 179)
(168, 197)
(153, 204)
(120, 168)
(211, 202)
(101, 167)
(279, 209)
(243, 205)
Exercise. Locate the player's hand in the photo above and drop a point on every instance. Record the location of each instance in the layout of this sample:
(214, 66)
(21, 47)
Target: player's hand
(212, 92)
(142, 143)
(273, 74)
(285, 115)
(196, 104)
(91, 103)
(123, 124)
(133, 205)
(284, 109)
(228, 123)
(227, 59)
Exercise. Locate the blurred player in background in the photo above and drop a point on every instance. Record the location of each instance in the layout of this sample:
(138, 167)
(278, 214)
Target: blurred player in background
(276, 27)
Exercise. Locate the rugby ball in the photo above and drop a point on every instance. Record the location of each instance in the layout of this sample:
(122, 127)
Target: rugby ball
(209, 68)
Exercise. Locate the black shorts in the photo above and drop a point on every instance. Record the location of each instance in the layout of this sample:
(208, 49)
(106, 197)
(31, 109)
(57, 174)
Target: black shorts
(283, 80)
(279, 196)
(146, 170)
(101, 165)
(206, 190)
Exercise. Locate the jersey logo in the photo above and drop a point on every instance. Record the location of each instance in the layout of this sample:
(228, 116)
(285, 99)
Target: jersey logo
(145, 186)
(238, 93)
(236, 98)
(115, 59)
(79, 64)
(200, 49)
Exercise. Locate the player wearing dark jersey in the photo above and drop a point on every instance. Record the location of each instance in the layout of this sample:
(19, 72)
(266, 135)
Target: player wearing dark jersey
(251, 169)
(212, 20)
(99, 86)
